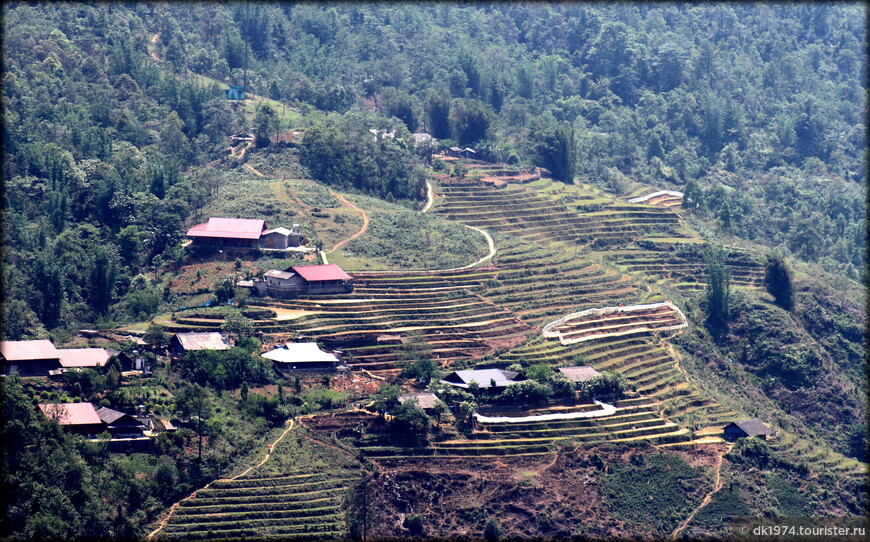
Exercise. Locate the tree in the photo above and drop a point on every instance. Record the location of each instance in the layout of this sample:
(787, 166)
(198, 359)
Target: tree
(155, 336)
(238, 325)
(470, 121)
(606, 384)
(194, 402)
(387, 399)
(438, 113)
(410, 421)
(554, 148)
(778, 281)
(265, 124)
(492, 531)
(718, 291)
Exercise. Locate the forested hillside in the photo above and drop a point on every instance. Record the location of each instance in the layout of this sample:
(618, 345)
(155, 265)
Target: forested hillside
(116, 134)
(757, 112)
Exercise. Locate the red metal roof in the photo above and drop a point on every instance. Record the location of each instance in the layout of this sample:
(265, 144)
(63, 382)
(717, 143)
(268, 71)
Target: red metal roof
(321, 272)
(83, 357)
(72, 413)
(229, 228)
(25, 350)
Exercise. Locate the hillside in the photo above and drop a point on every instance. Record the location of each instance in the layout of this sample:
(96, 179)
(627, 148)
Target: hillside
(667, 195)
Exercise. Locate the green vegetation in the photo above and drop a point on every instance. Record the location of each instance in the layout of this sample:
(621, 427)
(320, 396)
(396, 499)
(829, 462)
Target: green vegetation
(658, 493)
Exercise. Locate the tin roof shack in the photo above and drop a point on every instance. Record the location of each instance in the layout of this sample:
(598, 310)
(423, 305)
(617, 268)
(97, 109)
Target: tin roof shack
(127, 432)
(83, 358)
(281, 238)
(747, 428)
(323, 279)
(492, 379)
(181, 343)
(426, 400)
(582, 373)
(233, 233)
(78, 418)
(295, 356)
(28, 358)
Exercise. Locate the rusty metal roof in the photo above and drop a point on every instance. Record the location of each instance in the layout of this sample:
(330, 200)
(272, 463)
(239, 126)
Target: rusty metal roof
(321, 272)
(229, 228)
(72, 413)
(210, 340)
(579, 374)
(26, 350)
(83, 357)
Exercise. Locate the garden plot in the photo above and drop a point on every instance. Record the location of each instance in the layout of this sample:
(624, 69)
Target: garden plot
(615, 321)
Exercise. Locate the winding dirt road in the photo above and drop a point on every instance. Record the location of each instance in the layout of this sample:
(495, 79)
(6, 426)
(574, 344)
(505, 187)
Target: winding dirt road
(362, 230)
(717, 485)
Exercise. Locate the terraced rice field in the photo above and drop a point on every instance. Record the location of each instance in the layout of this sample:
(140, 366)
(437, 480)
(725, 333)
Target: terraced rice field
(634, 419)
(302, 502)
(684, 269)
(615, 321)
(537, 213)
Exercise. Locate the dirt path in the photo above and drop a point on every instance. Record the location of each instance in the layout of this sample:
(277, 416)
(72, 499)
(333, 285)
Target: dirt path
(717, 485)
(175, 506)
(250, 168)
(492, 250)
(153, 41)
(362, 230)
(430, 197)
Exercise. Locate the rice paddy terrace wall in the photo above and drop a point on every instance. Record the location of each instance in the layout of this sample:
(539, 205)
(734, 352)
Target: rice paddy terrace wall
(615, 321)
(297, 494)
(543, 211)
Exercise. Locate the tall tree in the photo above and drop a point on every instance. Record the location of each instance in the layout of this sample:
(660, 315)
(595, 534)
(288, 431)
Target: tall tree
(778, 281)
(555, 149)
(718, 290)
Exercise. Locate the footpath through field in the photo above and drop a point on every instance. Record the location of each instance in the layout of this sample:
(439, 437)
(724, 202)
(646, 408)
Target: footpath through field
(361, 231)
(717, 485)
(175, 506)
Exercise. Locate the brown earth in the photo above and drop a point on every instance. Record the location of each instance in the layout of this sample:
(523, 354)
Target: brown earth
(553, 497)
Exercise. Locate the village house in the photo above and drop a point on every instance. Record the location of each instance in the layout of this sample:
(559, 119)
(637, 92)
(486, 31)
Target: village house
(747, 428)
(231, 233)
(582, 373)
(304, 279)
(78, 418)
(83, 358)
(29, 358)
(181, 343)
(426, 400)
(493, 379)
(281, 238)
(294, 356)
(121, 425)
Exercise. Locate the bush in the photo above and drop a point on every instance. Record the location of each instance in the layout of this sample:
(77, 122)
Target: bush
(492, 531)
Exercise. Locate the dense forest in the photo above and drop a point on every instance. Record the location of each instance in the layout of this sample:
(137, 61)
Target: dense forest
(756, 111)
(115, 131)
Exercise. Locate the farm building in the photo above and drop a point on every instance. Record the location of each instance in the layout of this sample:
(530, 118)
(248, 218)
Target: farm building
(426, 401)
(583, 373)
(79, 418)
(83, 358)
(228, 232)
(747, 428)
(281, 238)
(485, 378)
(128, 362)
(121, 425)
(29, 358)
(182, 343)
(235, 92)
(301, 356)
(323, 279)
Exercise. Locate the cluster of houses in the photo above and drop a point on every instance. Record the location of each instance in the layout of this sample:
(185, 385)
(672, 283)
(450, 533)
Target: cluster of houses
(287, 356)
(41, 358)
(244, 234)
(128, 432)
(301, 280)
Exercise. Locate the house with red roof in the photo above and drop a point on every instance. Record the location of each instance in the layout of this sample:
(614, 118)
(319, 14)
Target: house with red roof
(304, 280)
(228, 232)
(28, 358)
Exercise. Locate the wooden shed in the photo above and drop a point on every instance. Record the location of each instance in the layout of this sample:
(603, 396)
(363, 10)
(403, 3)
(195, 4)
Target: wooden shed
(182, 343)
(747, 428)
(485, 378)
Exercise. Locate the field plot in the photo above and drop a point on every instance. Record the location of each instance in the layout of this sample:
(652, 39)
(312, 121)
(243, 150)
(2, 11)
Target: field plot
(634, 419)
(681, 265)
(296, 495)
(543, 212)
(615, 321)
